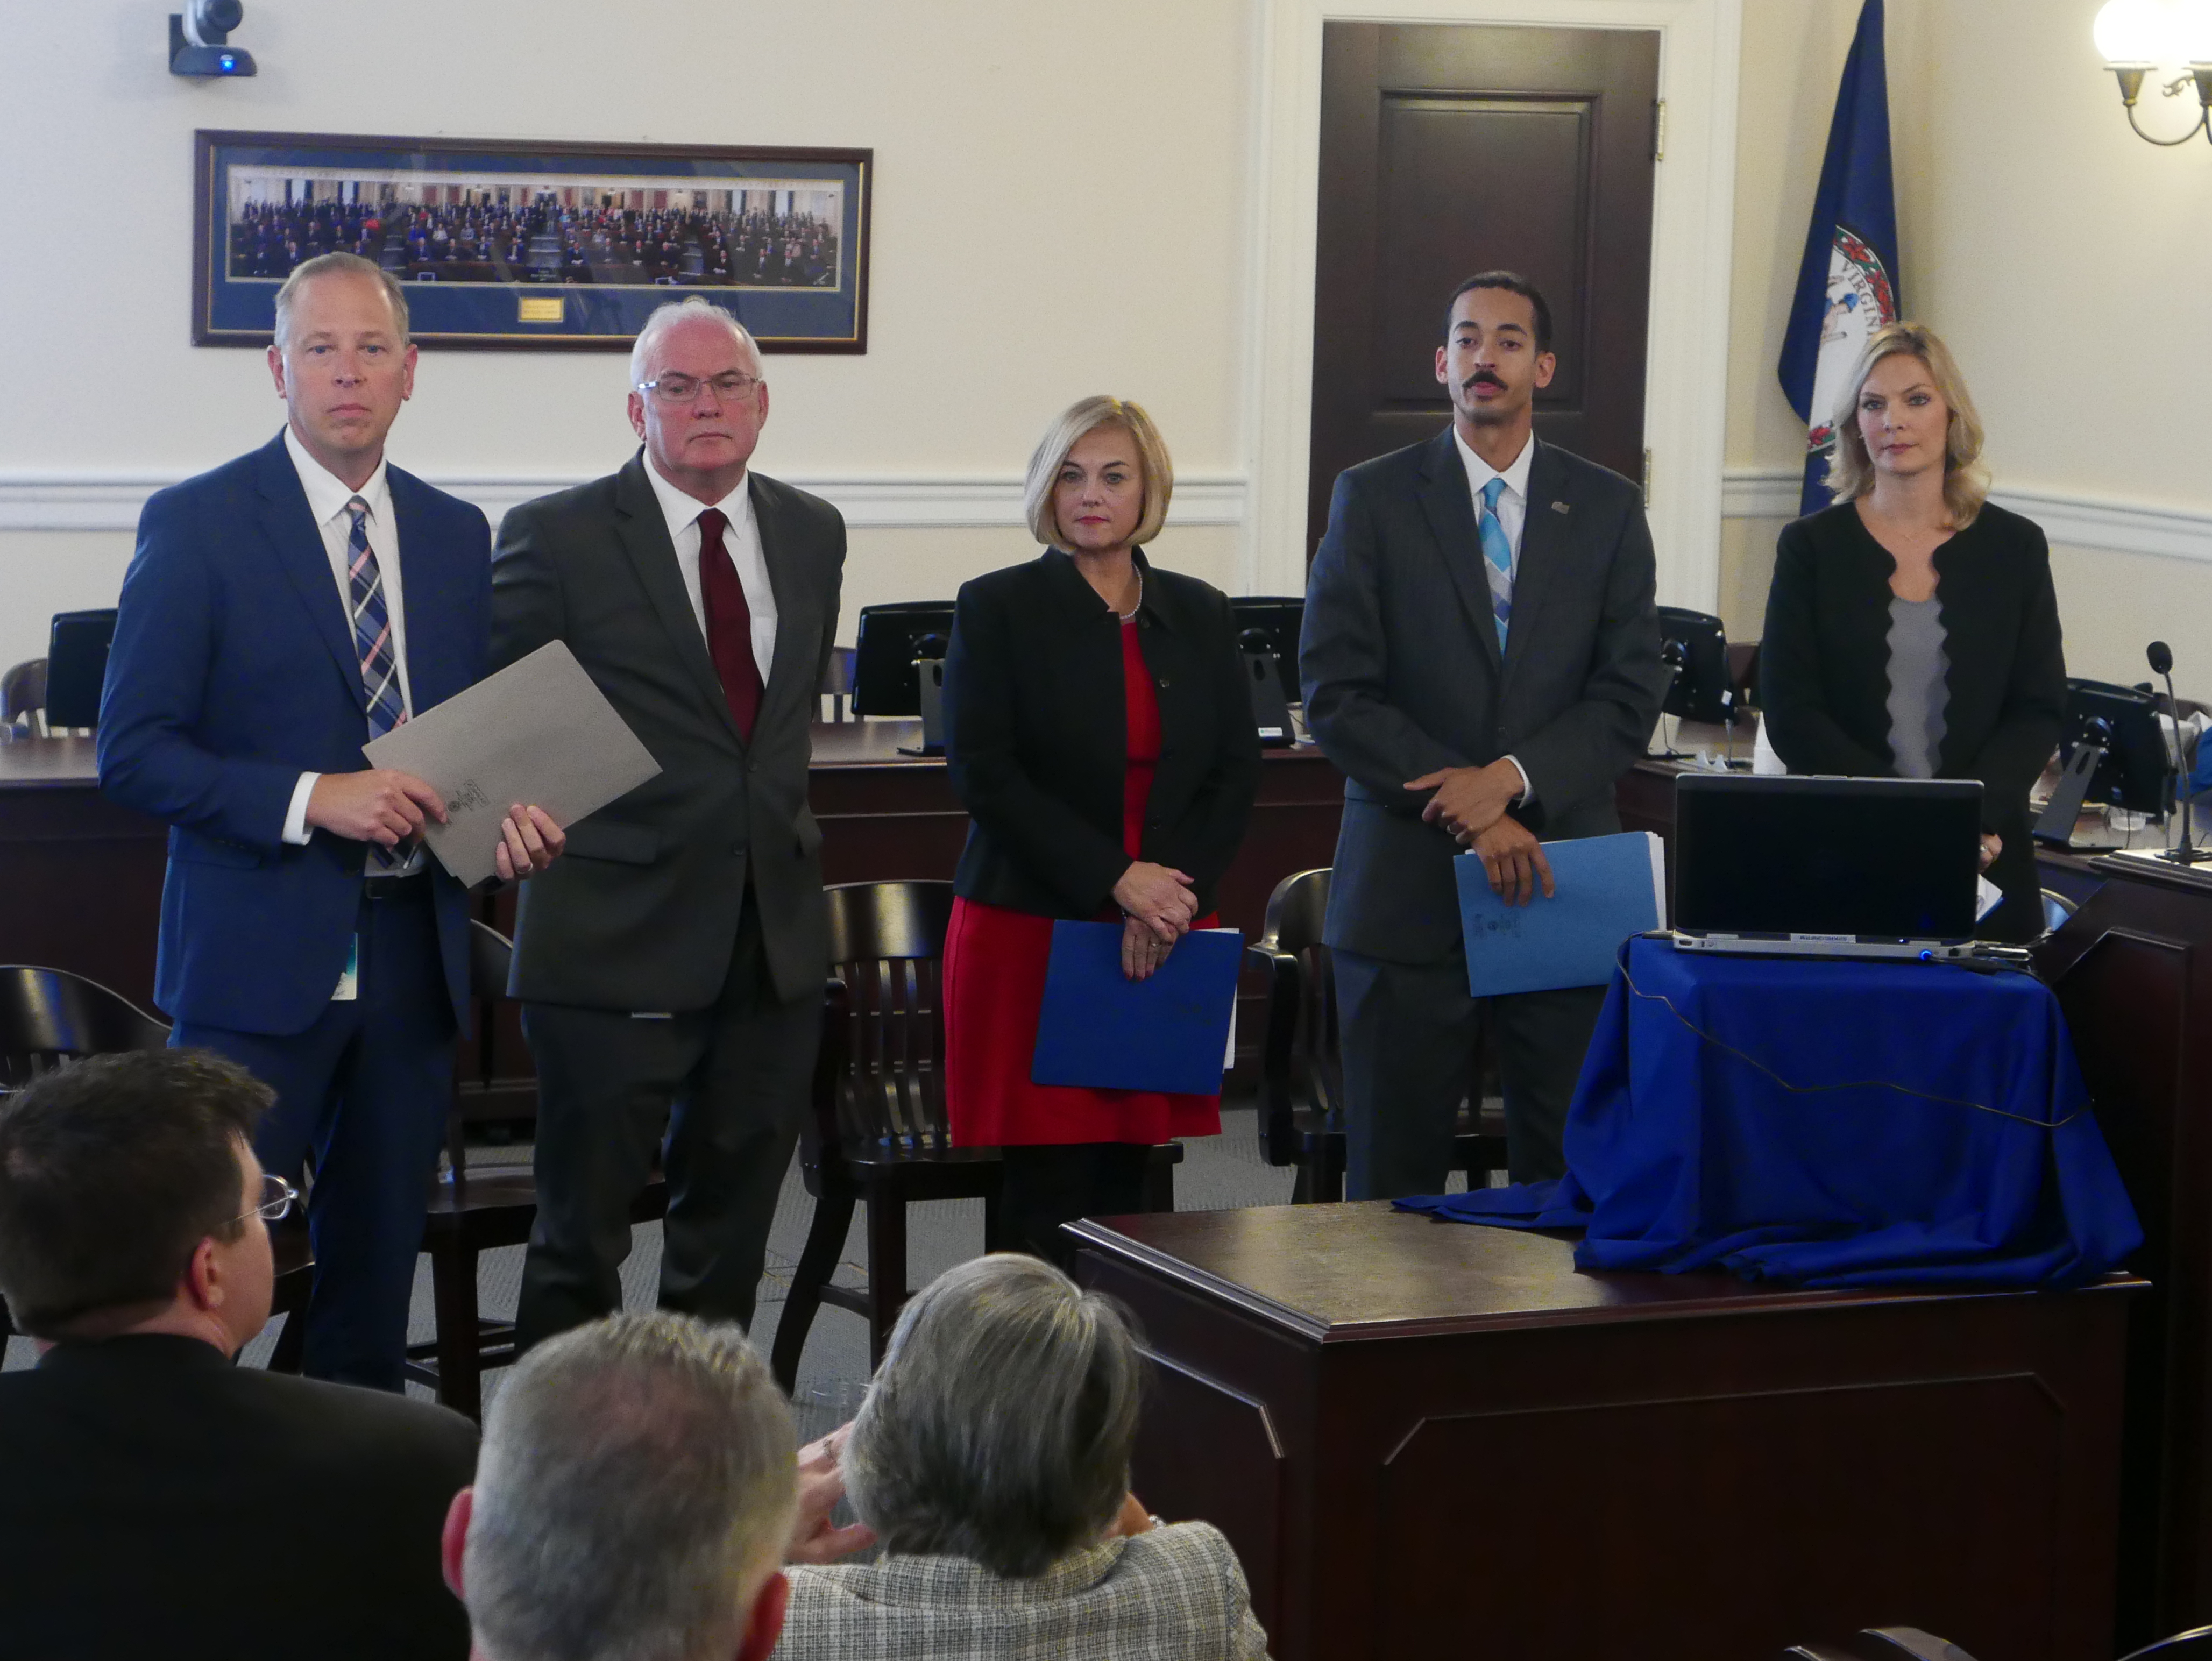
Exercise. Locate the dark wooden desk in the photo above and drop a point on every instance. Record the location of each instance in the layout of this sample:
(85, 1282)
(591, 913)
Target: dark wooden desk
(1429, 1439)
(2133, 972)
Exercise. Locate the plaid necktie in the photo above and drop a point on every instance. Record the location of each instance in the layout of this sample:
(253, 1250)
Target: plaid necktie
(1496, 559)
(372, 627)
(380, 663)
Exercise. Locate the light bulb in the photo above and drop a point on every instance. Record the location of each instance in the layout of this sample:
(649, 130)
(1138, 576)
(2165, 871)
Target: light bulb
(2192, 30)
(2134, 33)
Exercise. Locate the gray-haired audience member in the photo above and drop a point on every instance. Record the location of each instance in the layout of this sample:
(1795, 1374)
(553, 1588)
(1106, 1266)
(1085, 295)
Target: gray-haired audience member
(992, 1458)
(637, 1496)
(161, 1499)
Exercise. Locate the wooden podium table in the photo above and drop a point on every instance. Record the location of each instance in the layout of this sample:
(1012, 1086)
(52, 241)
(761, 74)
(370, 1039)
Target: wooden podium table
(1429, 1438)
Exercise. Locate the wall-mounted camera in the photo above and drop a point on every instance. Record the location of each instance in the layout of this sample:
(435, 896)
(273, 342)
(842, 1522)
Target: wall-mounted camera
(199, 40)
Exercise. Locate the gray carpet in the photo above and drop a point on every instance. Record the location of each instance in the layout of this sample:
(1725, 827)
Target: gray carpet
(1224, 1173)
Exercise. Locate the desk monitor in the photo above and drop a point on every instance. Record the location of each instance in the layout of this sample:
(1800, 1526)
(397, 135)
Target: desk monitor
(77, 666)
(884, 649)
(1279, 618)
(1892, 858)
(1695, 647)
(2134, 773)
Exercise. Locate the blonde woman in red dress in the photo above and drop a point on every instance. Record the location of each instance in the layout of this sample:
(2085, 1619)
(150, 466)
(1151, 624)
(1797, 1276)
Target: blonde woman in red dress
(1099, 730)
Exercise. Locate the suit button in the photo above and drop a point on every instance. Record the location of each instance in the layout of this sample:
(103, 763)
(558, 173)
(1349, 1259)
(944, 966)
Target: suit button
(737, 848)
(1164, 683)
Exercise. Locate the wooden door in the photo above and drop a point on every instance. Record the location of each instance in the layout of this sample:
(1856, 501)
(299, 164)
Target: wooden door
(1452, 148)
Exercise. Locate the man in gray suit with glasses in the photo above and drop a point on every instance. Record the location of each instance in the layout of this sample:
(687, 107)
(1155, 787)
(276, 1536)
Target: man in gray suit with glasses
(674, 980)
(1480, 657)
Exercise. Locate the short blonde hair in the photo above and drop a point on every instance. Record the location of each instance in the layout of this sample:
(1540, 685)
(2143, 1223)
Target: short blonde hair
(1965, 481)
(334, 265)
(1084, 416)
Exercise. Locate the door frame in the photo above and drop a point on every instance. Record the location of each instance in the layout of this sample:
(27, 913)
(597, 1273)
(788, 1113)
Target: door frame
(1693, 233)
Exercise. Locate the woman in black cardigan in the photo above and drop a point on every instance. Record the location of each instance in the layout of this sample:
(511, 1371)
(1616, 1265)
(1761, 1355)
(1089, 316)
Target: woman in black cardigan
(1912, 630)
(1100, 734)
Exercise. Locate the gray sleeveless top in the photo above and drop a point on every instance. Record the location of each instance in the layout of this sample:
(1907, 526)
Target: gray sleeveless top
(1918, 663)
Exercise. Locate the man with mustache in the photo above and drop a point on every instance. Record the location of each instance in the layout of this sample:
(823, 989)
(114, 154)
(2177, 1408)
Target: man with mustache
(1480, 657)
(671, 979)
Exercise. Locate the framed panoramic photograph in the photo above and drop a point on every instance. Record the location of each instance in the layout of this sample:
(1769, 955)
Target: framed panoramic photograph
(519, 245)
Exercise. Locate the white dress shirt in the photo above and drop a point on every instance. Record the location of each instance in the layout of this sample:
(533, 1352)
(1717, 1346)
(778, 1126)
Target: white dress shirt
(327, 498)
(743, 541)
(1512, 517)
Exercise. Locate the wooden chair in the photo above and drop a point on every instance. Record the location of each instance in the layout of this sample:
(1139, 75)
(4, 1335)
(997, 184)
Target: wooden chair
(475, 1212)
(877, 1134)
(1881, 1644)
(1301, 1071)
(2195, 1644)
(49, 1017)
(23, 697)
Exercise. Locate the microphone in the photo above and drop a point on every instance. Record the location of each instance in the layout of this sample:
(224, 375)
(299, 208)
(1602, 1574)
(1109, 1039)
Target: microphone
(2160, 656)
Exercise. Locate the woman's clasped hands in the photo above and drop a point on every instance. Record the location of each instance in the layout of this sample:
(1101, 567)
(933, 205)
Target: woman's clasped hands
(1157, 905)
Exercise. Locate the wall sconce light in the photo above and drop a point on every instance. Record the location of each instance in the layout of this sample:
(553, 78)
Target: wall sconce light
(2137, 37)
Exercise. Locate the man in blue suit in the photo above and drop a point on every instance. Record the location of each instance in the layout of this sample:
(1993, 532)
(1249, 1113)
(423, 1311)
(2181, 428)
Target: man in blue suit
(281, 611)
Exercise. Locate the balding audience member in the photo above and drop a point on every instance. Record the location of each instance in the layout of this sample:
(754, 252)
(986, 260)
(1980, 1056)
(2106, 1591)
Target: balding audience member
(636, 1493)
(992, 1458)
(161, 1499)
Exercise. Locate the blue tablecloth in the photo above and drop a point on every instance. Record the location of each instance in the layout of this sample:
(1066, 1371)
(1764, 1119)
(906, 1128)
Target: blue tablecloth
(1828, 1123)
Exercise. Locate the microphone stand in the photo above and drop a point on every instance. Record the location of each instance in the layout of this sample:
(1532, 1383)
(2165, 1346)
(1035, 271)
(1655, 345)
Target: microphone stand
(2188, 853)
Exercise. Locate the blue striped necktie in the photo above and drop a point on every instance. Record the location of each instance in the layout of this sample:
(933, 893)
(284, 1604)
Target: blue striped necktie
(1496, 559)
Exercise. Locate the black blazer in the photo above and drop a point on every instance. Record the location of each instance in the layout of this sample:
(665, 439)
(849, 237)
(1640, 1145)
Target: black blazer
(1036, 739)
(1823, 670)
(161, 1501)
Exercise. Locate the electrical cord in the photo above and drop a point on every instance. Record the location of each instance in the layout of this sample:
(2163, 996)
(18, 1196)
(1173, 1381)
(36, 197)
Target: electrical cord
(1758, 1066)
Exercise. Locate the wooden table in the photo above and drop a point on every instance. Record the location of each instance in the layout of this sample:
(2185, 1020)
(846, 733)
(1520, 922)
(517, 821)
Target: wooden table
(2133, 972)
(1429, 1438)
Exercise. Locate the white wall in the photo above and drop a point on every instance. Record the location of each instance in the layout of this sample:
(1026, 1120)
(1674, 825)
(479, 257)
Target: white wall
(2062, 258)
(1060, 211)
(1071, 200)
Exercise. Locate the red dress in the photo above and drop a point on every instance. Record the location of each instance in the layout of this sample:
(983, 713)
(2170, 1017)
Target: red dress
(994, 966)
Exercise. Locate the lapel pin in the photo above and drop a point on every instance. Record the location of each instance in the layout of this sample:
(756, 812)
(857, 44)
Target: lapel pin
(1559, 507)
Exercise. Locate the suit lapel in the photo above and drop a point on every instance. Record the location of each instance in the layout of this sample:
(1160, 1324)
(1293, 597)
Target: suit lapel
(430, 668)
(1544, 530)
(644, 535)
(1450, 510)
(295, 543)
(796, 638)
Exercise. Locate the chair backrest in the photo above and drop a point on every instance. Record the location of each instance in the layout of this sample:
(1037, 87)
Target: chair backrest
(23, 693)
(2194, 1644)
(1299, 1054)
(490, 954)
(1883, 1644)
(49, 1017)
(881, 1082)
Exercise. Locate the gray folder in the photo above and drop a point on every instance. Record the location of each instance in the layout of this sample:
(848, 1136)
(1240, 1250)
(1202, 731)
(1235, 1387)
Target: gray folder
(538, 732)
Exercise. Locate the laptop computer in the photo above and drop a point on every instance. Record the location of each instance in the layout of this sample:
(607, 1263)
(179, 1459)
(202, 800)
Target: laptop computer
(1820, 867)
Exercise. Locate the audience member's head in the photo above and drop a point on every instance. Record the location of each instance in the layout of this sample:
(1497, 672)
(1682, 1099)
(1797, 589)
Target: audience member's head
(999, 1427)
(633, 1498)
(130, 1200)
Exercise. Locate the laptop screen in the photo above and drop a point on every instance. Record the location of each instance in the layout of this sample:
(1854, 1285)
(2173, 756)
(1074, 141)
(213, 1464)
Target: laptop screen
(1891, 857)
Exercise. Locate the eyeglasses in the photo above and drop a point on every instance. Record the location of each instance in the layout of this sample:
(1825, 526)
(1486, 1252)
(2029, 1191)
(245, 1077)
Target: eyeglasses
(734, 388)
(278, 1196)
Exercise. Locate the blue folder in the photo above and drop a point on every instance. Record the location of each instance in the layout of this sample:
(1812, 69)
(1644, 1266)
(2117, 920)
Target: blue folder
(1608, 888)
(1102, 1031)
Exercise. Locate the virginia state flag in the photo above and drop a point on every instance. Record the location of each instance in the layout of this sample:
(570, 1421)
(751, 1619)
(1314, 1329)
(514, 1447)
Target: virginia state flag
(1847, 285)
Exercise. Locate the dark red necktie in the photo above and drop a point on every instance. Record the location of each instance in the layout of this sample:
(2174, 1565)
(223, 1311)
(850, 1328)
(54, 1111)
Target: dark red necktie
(729, 624)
